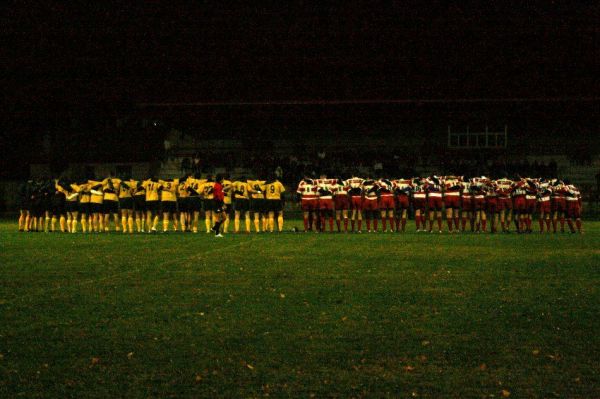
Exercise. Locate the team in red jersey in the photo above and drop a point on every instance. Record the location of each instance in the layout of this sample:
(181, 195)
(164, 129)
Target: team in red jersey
(469, 204)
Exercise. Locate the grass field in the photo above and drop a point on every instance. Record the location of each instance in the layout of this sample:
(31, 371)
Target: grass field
(300, 315)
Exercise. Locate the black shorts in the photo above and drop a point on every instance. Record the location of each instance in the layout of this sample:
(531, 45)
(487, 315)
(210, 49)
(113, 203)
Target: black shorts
(183, 204)
(139, 203)
(274, 205)
(96, 208)
(209, 205)
(126, 203)
(168, 206)
(46, 204)
(257, 205)
(229, 209)
(218, 206)
(37, 209)
(24, 204)
(84, 208)
(110, 206)
(194, 204)
(153, 206)
(71, 206)
(241, 205)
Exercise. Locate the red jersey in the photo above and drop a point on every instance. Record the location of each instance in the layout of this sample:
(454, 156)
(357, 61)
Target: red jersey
(218, 192)
(308, 189)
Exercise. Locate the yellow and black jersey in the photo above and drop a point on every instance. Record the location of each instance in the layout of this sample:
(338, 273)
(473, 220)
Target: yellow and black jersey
(110, 186)
(139, 190)
(207, 190)
(182, 191)
(240, 190)
(195, 186)
(127, 188)
(227, 191)
(152, 189)
(256, 189)
(97, 194)
(274, 190)
(84, 192)
(169, 190)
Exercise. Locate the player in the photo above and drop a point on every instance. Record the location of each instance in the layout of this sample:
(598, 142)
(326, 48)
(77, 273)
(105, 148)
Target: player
(71, 206)
(183, 205)
(208, 203)
(194, 187)
(274, 203)
(451, 196)
(341, 203)
(370, 205)
(531, 201)
(83, 189)
(504, 187)
(96, 205)
(110, 204)
(126, 204)
(478, 189)
(139, 206)
(491, 205)
(307, 190)
(466, 204)
(228, 195)
(325, 190)
(355, 191)
(558, 204)
(433, 188)
(241, 204)
(419, 201)
(544, 192)
(25, 205)
(218, 208)
(402, 191)
(152, 187)
(573, 207)
(520, 204)
(386, 203)
(58, 212)
(168, 202)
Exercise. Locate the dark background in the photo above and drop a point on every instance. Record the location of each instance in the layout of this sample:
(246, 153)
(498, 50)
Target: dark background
(68, 71)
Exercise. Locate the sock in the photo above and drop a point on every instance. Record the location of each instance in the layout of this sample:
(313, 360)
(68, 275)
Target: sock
(257, 225)
(130, 224)
(439, 223)
(369, 224)
(217, 227)
(280, 222)
(464, 223)
(578, 224)
(84, 224)
(384, 223)
(352, 224)
(359, 224)
(338, 224)
(248, 224)
(375, 220)
(236, 224)
(52, 223)
(541, 222)
(548, 225)
(226, 225)
(124, 223)
(165, 224)
(138, 224)
(418, 222)
(484, 224)
(449, 224)
(456, 223)
(571, 227)
(330, 224)
(271, 224)
(207, 223)
(345, 224)
(305, 223)
(403, 224)
(562, 224)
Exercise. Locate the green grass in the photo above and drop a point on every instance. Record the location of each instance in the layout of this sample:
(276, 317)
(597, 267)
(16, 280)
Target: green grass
(297, 315)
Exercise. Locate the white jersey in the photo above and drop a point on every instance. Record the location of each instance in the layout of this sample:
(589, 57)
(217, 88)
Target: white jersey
(325, 187)
(369, 187)
(308, 189)
(354, 186)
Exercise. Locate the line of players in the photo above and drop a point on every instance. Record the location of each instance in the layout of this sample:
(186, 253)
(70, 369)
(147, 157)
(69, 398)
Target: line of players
(469, 204)
(142, 204)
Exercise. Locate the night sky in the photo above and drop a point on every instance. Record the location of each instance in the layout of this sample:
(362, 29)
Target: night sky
(62, 56)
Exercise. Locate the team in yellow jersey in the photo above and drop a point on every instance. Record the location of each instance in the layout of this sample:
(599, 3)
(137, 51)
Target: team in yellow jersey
(139, 205)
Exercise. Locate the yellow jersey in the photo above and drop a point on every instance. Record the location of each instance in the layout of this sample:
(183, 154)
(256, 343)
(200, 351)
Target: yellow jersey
(96, 191)
(240, 190)
(111, 188)
(207, 188)
(139, 190)
(182, 191)
(84, 192)
(196, 185)
(169, 190)
(126, 188)
(274, 190)
(152, 188)
(256, 188)
(227, 191)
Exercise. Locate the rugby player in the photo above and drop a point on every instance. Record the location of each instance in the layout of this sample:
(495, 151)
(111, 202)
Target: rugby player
(402, 190)
(274, 203)
(325, 190)
(241, 204)
(355, 192)
(452, 188)
(168, 202)
(369, 204)
(419, 201)
(386, 203)
(433, 188)
(309, 197)
(341, 203)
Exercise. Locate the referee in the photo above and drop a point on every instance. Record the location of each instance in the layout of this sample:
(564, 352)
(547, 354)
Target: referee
(219, 209)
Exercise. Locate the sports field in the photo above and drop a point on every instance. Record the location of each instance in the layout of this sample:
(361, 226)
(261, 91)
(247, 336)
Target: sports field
(300, 315)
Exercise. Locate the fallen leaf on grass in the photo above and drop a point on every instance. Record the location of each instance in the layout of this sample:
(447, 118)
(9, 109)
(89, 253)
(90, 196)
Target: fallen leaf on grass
(483, 367)
(95, 360)
(425, 343)
(408, 368)
(250, 366)
(282, 296)
(344, 318)
(198, 378)
(129, 355)
(535, 352)
(505, 393)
